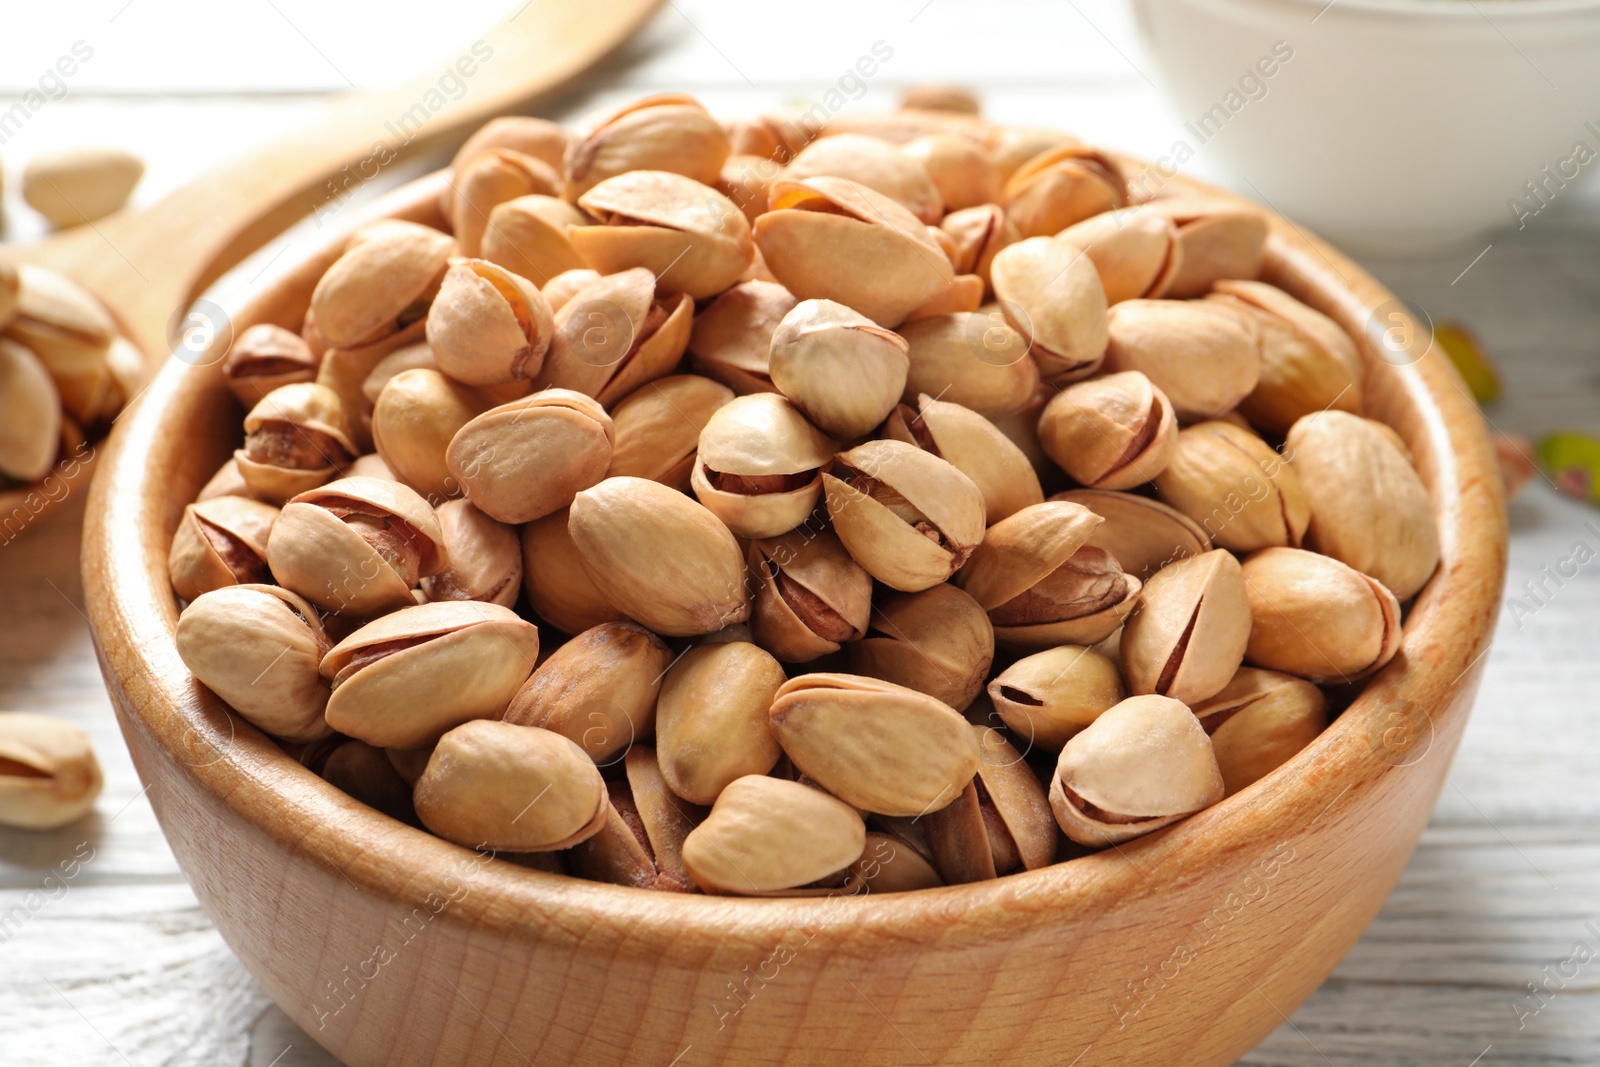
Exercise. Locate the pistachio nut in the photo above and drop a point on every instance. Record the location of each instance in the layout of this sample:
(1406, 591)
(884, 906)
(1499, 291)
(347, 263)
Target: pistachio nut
(539, 138)
(658, 427)
(840, 369)
(1369, 507)
(1142, 765)
(383, 283)
(1308, 364)
(759, 465)
(811, 597)
(1143, 534)
(961, 170)
(978, 233)
(417, 415)
(1318, 618)
(1233, 484)
(1001, 823)
(1113, 432)
(1216, 239)
(518, 788)
(30, 415)
(659, 557)
(553, 578)
(569, 283)
(888, 865)
(641, 843)
(483, 558)
(875, 164)
(403, 680)
(356, 546)
(691, 237)
(295, 439)
(1193, 351)
(907, 516)
(599, 689)
(77, 185)
(875, 745)
(1061, 186)
(494, 177)
(975, 447)
(1051, 294)
(258, 647)
(732, 337)
(49, 776)
(264, 357)
(218, 543)
(669, 131)
(769, 836)
(523, 460)
(975, 359)
(365, 773)
(815, 227)
(227, 481)
(711, 720)
(59, 321)
(1259, 722)
(488, 326)
(1187, 637)
(1136, 251)
(938, 642)
(1048, 698)
(1025, 577)
(613, 336)
(528, 236)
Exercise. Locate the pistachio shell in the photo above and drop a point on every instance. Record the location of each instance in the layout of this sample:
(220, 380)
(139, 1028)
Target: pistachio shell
(1318, 618)
(1113, 432)
(364, 772)
(978, 234)
(296, 438)
(415, 418)
(59, 321)
(746, 180)
(732, 337)
(557, 586)
(1259, 722)
(1011, 790)
(1233, 484)
(1136, 252)
(1051, 294)
(30, 415)
(536, 137)
(388, 273)
(875, 164)
(488, 326)
(569, 283)
(889, 866)
(975, 359)
(495, 785)
(669, 131)
(77, 185)
(1194, 352)
(49, 776)
(1187, 637)
(658, 426)
(758, 467)
(1142, 765)
(599, 689)
(842, 371)
(529, 237)
(810, 595)
(614, 335)
(523, 460)
(959, 838)
(1143, 534)
(262, 358)
(1021, 550)
(938, 641)
(816, 226)
(1061, 186)
(218, 543)
(711, 719)
(405, 679)
(484, 558)
(766, 835)
(258, 648)
(691, 237)
(1369, 508)
(877, 746)
(1217, 240)
(346, 371)
(961, 170)
(1049, 697)
(910, 518)
(659, 557)
(481, 184)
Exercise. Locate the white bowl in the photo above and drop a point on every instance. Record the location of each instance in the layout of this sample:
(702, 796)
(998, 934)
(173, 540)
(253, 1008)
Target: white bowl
(1394, 126)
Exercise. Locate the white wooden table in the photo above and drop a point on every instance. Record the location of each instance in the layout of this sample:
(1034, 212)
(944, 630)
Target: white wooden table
(1487, 953)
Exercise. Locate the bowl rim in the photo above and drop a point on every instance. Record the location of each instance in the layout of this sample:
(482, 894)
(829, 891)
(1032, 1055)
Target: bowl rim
(133, 615)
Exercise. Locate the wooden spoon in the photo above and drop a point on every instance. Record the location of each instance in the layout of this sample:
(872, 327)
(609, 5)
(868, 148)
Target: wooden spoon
(147, 266)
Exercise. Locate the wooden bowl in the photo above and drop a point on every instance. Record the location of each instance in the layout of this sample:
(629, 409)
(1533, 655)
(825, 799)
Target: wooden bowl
(390, 946)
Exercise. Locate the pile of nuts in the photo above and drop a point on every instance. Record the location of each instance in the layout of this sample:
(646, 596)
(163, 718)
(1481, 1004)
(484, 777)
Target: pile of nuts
(765, 510)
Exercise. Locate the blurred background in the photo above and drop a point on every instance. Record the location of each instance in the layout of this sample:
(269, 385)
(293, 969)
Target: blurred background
(1472, 956)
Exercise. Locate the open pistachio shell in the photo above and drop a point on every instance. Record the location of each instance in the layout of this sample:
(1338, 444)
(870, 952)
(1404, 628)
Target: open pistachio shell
(1112, 432)
(1188, 635)
(766, 835)
(405, 679)
(691, 237)
(553, 578)
(975, 447)
(759, 465)
(1021, 550)
(1317, 618)
(1009, 789)
(1143, 534)
(59, 321)
(30, 415)
(492, 178)
(1049, 697)
(516, 788)
(488, 326)
(415, 418)
(1136, 252)
(347, 370)
(732, 337)
(536, 137)
(1193, 351)
(711, 719)
(218, 543)
(296, 438)
(888, 865)
(880, 747)
(641, 843)
(668, 131)
(383, 282)
(1216, 240)
(49, 776)
(1231, 482)
(529, 237)
(1050, 292)
(658, 426)
(264, 357)
(973, 359)
(841, 370)
(810, 595)
(1259, 721)
(483, 557)
(875, 164)
(961, 170)
(615, 335)
(978, 234)
(523, 460)
(1142, 765)
(1061, 186)
(938, 641)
